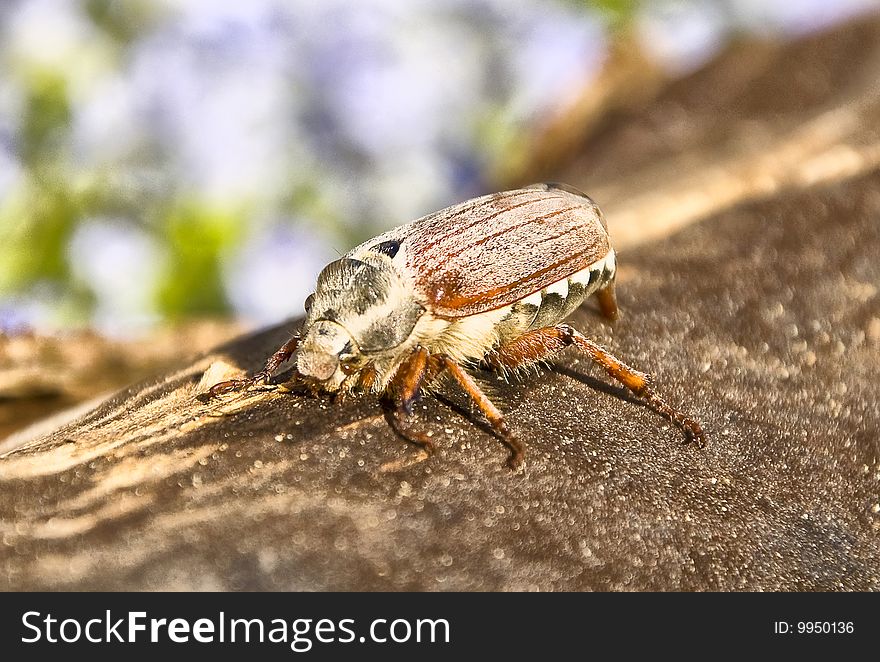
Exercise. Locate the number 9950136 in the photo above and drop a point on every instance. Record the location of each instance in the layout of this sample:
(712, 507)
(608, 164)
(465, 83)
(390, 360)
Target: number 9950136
(825, 627)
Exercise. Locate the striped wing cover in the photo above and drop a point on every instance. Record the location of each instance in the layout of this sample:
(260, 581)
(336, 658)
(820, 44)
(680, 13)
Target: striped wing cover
(492, 251)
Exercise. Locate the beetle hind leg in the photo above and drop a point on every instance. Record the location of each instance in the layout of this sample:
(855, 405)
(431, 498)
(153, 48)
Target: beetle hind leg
(608, 302)
(543, 343)
(281, 355)
(639, 383)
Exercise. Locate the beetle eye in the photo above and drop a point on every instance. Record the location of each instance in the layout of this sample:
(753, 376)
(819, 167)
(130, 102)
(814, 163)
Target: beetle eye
(308, 304)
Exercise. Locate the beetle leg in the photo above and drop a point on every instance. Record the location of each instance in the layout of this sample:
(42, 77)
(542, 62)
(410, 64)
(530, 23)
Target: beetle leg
(408, 379)
(367, 377)
(543, 343)
(637, 382)
(397, 419)
(608, 302)
(421, 368)
(490, 411)
(280, 356)
(405, 388)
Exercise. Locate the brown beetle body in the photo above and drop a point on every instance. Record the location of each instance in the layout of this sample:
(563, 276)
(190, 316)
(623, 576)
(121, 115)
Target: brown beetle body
(488, 280)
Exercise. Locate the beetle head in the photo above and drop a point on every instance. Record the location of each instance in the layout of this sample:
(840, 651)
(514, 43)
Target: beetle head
(361, 311)
(327, 353)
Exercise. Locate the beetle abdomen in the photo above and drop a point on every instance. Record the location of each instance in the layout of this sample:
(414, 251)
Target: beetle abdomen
(557, 301)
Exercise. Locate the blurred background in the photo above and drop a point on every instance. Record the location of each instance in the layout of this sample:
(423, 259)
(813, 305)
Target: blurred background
(163, 159)
(164, 162)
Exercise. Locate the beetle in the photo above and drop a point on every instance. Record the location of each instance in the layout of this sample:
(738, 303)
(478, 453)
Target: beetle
(484, 282)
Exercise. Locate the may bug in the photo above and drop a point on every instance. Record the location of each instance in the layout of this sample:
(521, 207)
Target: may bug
(487, 281)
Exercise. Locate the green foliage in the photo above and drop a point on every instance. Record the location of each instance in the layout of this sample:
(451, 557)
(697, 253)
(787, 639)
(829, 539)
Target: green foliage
(618, 13)
(123, 20)
(43, 207)
(45, 117)
(37, 223)
(197, 238)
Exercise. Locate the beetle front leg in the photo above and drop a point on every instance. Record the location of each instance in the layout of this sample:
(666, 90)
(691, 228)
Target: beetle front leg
(404, 389)
(543, 343)
(280, 356)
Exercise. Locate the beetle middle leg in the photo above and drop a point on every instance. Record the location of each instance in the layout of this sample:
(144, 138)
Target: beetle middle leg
(543, 343)
(490, 411)
(280, 356)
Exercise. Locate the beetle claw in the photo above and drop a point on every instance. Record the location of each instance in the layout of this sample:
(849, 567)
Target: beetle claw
(516, 459)
(694, 432)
